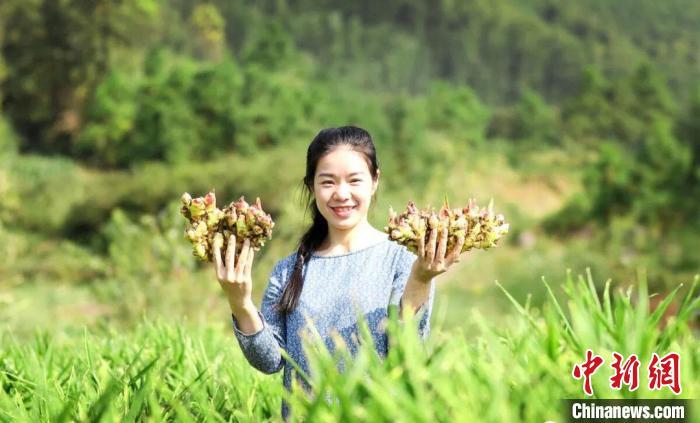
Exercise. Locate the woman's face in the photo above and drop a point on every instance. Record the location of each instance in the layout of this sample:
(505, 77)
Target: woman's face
(343, 187)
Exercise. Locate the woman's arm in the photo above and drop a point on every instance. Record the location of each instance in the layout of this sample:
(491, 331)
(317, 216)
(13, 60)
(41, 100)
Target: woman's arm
(408, 289)
(261, 344)
(260, 335)
(432, 260)
(247, 317)
(416, 293)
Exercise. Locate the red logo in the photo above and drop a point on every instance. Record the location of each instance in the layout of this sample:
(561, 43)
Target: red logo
(627, 373)
(664, 371)
(589, 367)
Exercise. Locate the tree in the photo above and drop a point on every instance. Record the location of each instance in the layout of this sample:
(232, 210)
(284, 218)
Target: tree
(57, 52)
(531, 121)
(664, 166)
(457, 110)
(209, 30)
(611, 182)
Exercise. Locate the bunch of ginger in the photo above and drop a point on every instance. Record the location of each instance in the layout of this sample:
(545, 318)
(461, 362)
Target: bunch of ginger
(208, 225)
(479, 227)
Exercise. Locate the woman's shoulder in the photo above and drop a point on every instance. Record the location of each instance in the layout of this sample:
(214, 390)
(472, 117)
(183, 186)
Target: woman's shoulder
(286, 263)
(282, 270)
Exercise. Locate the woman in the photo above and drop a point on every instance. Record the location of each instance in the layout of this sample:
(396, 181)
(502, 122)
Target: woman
(342, 266)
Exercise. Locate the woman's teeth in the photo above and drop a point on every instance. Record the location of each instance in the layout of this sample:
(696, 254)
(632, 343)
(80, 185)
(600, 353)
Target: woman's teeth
(342, 211)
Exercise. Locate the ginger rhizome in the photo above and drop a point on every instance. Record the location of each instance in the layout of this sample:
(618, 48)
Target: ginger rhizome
(209, 225)
(479, 227)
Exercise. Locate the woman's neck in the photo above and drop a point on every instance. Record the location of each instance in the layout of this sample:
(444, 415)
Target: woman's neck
(341, 242)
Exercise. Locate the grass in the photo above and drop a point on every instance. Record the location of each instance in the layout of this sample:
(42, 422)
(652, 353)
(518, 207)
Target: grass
(518, 372)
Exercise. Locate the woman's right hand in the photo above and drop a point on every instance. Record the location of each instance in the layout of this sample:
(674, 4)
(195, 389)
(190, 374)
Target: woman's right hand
(235, 278)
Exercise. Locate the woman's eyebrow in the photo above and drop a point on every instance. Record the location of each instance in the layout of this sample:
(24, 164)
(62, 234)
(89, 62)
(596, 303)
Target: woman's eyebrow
(332, 175)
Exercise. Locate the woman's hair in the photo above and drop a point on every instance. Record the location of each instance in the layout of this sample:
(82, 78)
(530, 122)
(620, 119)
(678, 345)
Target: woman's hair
(325, 141)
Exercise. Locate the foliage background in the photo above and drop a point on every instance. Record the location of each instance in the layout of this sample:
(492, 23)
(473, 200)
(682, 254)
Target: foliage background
(581, 120)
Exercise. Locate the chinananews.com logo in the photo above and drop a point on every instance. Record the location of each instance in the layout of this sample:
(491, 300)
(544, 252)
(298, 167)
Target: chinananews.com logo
(661, 373)
(628, 410)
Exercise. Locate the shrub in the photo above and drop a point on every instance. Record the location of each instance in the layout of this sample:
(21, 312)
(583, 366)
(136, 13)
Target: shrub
(49, 189)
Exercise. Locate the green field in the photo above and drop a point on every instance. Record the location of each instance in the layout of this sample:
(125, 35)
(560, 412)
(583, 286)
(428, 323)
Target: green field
(580, 120)
(164, 371)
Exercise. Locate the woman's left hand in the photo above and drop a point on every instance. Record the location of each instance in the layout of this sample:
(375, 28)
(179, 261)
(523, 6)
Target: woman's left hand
(433, 258)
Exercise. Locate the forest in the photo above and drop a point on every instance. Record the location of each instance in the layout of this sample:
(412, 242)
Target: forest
(581, 120)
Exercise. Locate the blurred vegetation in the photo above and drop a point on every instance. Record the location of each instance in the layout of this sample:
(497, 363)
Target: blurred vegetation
(582, 123)
(177, 370)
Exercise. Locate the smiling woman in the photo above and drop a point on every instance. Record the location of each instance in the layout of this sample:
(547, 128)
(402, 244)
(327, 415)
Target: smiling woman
(343, 188)
(343, 270)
